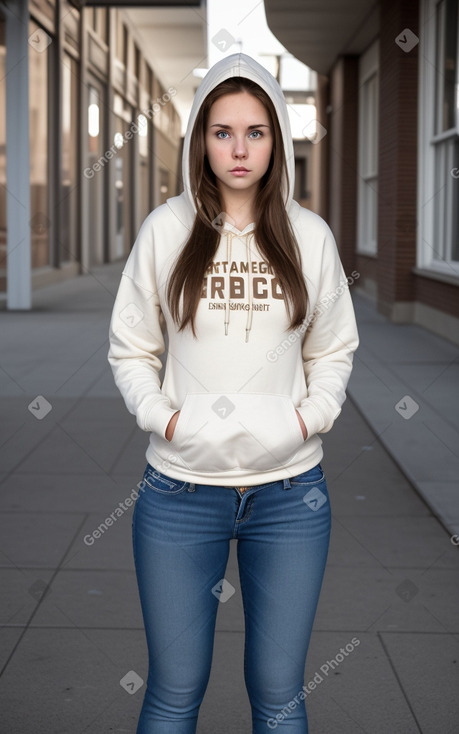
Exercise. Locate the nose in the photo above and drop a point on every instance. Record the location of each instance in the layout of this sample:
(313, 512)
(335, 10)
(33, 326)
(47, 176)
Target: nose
(240, 147)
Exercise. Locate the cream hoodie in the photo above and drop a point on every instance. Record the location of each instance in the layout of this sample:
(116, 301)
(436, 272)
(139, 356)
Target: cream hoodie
(237, 385)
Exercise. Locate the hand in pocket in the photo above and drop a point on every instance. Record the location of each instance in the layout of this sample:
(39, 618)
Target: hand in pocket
(171, 426)
(302, 424)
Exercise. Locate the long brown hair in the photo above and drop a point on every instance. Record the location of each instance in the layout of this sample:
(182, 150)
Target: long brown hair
(273, 231)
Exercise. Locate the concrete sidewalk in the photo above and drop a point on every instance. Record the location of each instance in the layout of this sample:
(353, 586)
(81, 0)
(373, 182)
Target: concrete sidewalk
(70, 615)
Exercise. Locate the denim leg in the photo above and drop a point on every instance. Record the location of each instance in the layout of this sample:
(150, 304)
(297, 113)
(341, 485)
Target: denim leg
(282, 552)
(178, 561)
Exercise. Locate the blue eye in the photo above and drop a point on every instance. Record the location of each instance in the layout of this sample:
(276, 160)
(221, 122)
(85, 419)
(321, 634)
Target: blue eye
(258, 134)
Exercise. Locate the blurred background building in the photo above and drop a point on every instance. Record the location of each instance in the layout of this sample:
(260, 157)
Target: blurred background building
(95, 97)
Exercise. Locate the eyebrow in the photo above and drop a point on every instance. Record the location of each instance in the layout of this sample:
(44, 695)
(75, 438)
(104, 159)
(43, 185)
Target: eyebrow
(228, 127)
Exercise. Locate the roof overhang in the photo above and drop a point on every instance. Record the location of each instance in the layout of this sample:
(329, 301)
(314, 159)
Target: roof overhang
(317, 33)
(137, 3)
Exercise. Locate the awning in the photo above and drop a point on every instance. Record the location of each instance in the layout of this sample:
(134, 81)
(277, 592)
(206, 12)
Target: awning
(317, 32)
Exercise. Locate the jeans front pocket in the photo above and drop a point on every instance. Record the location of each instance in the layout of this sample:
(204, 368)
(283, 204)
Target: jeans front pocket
(313, 486)
(310, 477)
(161, 483)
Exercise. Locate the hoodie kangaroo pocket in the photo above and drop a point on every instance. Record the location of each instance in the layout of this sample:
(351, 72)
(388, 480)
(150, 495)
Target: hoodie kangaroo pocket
(248, 431)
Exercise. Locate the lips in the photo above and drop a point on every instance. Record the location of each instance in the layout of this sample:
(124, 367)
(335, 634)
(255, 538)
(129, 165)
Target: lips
(239, 168)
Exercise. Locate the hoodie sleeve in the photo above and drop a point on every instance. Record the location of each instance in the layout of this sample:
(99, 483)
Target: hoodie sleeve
(329, 344)
(136, 338)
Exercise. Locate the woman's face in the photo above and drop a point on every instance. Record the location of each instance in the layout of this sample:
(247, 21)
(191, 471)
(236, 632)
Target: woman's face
(238, 135)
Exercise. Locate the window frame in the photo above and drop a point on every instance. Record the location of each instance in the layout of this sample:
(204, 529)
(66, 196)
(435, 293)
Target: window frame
(428, 148)
(368, 69)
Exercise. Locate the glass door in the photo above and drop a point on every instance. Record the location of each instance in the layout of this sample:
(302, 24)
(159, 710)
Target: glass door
(123, 186)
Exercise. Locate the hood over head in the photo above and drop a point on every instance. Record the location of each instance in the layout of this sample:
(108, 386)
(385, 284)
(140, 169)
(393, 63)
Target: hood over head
(241, 65)
(184, 207)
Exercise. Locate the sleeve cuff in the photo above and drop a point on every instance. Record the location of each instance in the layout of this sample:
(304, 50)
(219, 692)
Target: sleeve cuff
(313, 420)
(157, 419)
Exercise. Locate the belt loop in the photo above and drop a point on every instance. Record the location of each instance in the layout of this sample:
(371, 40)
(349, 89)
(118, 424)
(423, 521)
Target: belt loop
(192, 487)
(287, 484)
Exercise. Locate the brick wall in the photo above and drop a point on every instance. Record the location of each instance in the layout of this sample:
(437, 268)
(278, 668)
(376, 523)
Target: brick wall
(397, 156)
(441, 296)
(388, 276)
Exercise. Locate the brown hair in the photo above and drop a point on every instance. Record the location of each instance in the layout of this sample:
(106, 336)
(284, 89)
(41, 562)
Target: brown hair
(273, 231)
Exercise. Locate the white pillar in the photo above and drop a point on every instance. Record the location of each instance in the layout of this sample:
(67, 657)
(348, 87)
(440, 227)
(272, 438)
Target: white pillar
(19, 275)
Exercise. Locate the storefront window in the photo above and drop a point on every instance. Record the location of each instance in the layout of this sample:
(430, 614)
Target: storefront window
(145, 130)
(123, 187)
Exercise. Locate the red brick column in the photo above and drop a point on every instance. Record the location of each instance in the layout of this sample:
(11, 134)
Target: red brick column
(398, 100)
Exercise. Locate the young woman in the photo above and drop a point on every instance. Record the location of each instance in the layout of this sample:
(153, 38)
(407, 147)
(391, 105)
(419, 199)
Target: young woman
(249, 288)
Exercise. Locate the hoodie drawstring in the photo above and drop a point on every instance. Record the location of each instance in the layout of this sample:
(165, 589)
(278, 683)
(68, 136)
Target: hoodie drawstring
(248, 324)
(229, 242)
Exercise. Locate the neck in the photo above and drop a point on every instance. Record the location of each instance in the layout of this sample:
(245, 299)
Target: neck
(239, 208)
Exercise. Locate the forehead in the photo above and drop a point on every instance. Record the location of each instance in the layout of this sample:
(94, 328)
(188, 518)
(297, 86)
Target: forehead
(239, 105)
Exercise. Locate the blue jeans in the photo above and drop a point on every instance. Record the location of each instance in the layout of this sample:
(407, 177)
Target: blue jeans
(181, 534)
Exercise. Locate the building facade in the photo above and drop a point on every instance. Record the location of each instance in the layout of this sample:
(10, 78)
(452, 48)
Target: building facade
(388, 159)
(89, 142)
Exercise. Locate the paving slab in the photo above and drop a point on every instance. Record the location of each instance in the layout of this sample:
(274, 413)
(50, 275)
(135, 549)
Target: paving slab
(433, 692)
(9, 637)
(90, 598)
(358, 693)
(393, 541)
(22, 591)
(43, 537)
(110, 551)
(377, 599)
(72, 457)
(132, 458)
(65, 492)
